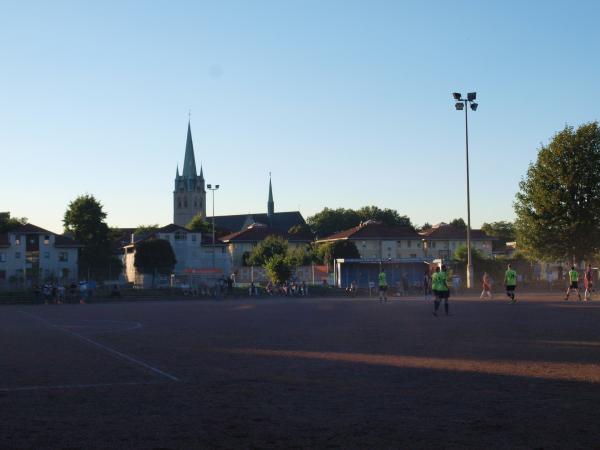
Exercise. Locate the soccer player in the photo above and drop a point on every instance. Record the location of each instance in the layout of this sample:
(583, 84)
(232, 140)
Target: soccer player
(427, 284)
(442, 291)
(574, 286)
(588, 281)
(510, 281)
(487, 286)
(382, 286)
(435, 282)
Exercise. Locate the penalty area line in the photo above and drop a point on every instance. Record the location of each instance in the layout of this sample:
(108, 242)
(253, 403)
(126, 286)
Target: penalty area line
(111, 351)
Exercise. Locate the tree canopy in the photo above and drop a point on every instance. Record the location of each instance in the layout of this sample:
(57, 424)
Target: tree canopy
(271, 245)
(330, 251)
(330, 221)
(155, 256)
(198, 223)
(278, 269)
(7, 223)
(502, 230)
(143, 229)
(558, 205)
(458, 223)
(85, 221)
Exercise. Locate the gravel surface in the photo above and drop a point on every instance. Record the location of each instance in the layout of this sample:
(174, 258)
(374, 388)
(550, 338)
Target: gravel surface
(302, 373)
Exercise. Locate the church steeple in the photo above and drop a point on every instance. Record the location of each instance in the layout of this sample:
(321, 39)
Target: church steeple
(189, 162)
(270, 203)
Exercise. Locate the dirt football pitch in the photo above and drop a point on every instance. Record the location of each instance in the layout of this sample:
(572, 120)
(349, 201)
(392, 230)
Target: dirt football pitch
(302, 373)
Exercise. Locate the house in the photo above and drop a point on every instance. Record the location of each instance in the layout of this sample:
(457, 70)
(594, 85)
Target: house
(198, 259)
(30, 254)
(442, 241)
(243, 242)
(375, 240)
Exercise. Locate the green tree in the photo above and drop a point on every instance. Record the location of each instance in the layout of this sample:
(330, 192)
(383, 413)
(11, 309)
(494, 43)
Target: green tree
(458, 223)
(85, 221)
(198, 223)
(558, 205)
(271, 245)
(278, 269)
(299, 256)
(8, 224)
(426, 226)
(461, 254)
(329, 251)
(504, 232)
(143, 229)
(154, 256)
(388, 216)
(302, 229)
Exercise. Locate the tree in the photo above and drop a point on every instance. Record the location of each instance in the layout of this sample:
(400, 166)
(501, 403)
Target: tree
(278, 269)
(268, 247)
(461, 254)
(143, 229)
(85, 221)
(458, 223)
(299, 256)
(302, 229)
(330, 221)
(329, 251)
(154, 256)
(504, 232)
(426, 226)
(198, 223)
(558, 205)
(8, 224)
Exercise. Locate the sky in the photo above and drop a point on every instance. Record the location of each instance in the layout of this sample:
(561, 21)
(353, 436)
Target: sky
(347, 103)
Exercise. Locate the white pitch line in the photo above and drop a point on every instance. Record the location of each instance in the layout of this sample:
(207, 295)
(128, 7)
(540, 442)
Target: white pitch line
(107, 349)
(73, 386)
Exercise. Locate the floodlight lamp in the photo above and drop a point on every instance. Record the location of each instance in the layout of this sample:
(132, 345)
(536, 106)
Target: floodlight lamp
(216, 186)
(456, 95)
(474, 106)
(471, 96)
(459, 106)
(209, 186)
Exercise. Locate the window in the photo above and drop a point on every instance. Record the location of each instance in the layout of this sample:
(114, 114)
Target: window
(180, 236)
(65, 273)
(408, 244)
(179, 204)
(47, 255)
(63, 256)
(2, 274)
(46, 240)
(2, 257)
(413, 255)
(432, 245)
(193, 238)
(17, 240)
(17, 255)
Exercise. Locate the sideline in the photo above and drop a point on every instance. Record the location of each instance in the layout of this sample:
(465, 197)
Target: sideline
(111, 351)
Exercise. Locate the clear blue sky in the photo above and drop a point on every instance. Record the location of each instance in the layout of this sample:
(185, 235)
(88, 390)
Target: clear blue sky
(348, 103)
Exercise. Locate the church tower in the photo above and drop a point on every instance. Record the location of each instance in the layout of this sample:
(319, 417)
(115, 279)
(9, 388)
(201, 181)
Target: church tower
(189, 196)
(270, 202)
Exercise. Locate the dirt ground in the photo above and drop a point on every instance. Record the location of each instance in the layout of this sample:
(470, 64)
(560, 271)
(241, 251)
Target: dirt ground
(301, 373)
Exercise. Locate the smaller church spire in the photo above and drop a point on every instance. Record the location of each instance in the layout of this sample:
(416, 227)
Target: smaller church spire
(270, 203)
(201, 172)
(177, 172)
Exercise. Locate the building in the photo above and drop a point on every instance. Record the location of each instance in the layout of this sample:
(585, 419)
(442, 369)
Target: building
(193, 251)
(442, 241)
(30, 254)
(242, 242)
(376, 241)
(189, 196)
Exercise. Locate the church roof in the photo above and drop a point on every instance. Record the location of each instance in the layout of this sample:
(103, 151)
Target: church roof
(281, 221)
(189, 162)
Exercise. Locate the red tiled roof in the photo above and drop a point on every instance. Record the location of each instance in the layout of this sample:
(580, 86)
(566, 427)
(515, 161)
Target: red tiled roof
(374, 230)
(446, 232)
(259, 232)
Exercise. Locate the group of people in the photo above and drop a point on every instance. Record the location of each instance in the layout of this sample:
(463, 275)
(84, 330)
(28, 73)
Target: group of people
(58, 294)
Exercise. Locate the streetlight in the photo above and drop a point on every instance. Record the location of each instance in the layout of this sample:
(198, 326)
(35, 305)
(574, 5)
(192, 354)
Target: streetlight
(465, 103)
(213, 189)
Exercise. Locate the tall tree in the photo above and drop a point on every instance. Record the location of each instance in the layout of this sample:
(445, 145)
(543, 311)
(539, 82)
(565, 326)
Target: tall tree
(271, 245)
(329, 251)
(198, 223)
(458, 223)
(558, 205)
(154, 256)
(8, 223)
(502, 230)
(85, 221)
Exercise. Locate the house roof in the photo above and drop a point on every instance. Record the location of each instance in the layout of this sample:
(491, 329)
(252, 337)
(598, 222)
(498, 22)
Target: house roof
(60, 240)
(281, 221)
(373, 230)
(258, 232)
(446, 232)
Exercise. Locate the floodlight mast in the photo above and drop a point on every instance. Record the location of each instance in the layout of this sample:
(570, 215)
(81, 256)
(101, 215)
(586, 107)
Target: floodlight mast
(465, 103)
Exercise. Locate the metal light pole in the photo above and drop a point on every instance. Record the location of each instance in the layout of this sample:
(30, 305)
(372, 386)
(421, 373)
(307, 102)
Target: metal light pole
(464, 103)
(213, 189)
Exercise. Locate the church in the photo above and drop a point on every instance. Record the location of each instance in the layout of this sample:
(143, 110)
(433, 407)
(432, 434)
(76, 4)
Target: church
(189, 200)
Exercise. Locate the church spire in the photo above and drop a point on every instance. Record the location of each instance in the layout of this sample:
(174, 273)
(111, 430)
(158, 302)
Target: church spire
(177, 172)
(270, 203)
(189, 162)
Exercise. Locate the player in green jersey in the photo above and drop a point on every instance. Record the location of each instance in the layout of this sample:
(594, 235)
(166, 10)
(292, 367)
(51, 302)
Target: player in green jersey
(382, 280)
(510, 281)
(442, 291)
(574, 283)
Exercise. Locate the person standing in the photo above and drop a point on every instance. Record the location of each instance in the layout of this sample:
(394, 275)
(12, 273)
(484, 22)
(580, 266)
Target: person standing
(382, 286)
(588, 281)
(573, 283)
(510, 281)
(427, 284)
(443, 291)
(487, 286)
